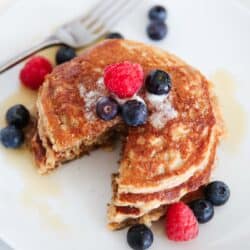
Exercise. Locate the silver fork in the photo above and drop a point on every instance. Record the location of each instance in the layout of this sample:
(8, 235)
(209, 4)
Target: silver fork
(81, 31)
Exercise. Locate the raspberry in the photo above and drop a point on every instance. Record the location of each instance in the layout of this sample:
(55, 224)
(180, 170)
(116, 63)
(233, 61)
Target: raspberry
(34, 71)
(123, 79)
(181, 224)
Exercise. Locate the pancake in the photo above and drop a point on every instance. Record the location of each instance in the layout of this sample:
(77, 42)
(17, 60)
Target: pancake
(162, 160)
(145, 208)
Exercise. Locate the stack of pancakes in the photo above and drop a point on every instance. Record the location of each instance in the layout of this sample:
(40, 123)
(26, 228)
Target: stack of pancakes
(161, 161)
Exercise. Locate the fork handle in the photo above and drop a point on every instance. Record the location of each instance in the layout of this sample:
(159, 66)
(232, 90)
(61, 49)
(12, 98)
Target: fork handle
(25, 54)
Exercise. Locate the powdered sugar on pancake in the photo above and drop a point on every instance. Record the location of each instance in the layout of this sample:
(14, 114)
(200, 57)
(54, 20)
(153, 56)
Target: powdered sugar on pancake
(163, 110)
(100, 83)
(90, 99)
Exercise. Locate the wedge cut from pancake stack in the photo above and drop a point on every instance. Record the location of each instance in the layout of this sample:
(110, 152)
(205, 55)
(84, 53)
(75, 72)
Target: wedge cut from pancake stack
(161, 161)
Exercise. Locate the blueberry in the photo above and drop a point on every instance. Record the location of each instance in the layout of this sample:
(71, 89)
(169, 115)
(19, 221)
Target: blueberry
(18, 115)
(114, 35)
(158, 82)
(140, 237)
(107, 108)
(217, 193)
(65, 54)
(202, 209)
(11, 137)
(157, 30)
(134, 113)
(157, 13)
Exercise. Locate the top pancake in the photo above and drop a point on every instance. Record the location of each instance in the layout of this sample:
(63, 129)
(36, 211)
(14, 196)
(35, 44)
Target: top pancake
(158, 155)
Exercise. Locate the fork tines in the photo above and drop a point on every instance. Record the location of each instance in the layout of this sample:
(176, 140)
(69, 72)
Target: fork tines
(104, 15)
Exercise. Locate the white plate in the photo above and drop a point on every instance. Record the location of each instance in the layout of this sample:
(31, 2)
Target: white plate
(67, 210)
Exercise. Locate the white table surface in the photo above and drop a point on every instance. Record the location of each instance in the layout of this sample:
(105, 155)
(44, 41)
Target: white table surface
(245, 2)
(5, 4)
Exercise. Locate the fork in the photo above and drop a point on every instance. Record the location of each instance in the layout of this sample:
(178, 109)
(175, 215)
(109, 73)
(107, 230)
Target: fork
(81, 31)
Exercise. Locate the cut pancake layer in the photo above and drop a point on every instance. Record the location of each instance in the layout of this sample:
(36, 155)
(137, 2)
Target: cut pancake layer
(152, 204)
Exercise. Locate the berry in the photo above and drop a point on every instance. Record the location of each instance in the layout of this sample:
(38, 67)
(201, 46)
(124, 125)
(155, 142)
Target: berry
(157, 13)
(158, 82)
(34, 71)
(114, 35)
(181, 224)
(202, 209)
(140, 237)
(11, 137)
(18, 116)
(107, 108)
(217, 193)
(157, 30)
(134, 113)
(65, 54)
(123, 79)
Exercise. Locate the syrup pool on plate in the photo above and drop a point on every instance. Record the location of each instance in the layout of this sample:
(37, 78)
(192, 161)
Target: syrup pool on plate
(234, 116)
(37, 190)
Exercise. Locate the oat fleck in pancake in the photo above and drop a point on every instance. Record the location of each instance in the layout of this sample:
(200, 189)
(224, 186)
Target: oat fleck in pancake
(168, 157)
